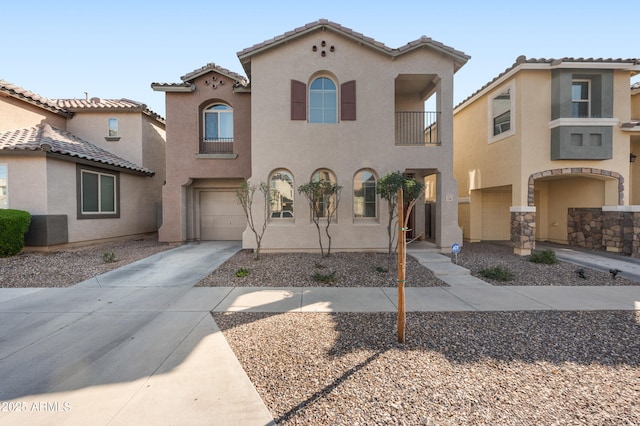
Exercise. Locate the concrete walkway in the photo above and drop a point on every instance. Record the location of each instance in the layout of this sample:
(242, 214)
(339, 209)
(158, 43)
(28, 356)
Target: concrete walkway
(138, 345)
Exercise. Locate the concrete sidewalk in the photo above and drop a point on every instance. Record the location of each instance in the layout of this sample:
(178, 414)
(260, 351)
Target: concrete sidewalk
(138, 345)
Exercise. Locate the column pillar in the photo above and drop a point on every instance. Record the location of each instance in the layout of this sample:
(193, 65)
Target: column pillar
(523, 229)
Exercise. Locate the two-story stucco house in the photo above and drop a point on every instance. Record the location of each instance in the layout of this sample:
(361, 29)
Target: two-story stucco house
(86, 169)
(319, 102)
(545, 151)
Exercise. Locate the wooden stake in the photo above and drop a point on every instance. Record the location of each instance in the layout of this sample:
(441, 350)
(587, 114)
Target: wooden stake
(401, 268)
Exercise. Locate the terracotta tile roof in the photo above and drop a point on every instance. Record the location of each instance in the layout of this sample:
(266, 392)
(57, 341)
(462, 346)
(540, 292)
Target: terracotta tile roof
(50, 139)
(98, 104)
(244, 55)
(32, 98)
(521, 60)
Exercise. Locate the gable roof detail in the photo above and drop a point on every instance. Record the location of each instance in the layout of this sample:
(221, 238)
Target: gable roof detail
(459, 57)
(33, 98)
(522, 62)
(187, 79)
(50, 139)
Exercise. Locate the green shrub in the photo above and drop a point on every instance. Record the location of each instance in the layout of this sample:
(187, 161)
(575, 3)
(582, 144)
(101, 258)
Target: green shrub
(13, 225)
(548, 257)
(382, 269)
(324, 278)
(108, 257)
(497, 273)
(242, 272)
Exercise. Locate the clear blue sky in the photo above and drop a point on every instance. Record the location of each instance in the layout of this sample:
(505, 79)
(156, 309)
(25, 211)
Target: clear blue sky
(116, 49)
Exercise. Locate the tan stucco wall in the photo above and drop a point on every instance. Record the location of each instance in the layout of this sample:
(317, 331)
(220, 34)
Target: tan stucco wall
(26, 183)
(34, 186)
(183, 132)
(15, 114)
(511, 161)
(348, 146)
(635, 106)
(93, 127)
(564, 194)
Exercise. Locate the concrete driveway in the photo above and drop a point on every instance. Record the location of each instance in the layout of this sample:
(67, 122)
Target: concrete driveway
(136, 345)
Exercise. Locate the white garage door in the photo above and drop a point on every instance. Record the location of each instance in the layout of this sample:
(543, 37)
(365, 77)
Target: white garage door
(221, 217)
(496, 218)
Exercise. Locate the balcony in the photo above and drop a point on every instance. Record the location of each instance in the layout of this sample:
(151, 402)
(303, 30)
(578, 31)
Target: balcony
(417, 128)
(216, 146)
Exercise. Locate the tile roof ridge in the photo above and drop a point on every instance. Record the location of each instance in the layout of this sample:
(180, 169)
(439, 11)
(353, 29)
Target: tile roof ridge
(32, 98)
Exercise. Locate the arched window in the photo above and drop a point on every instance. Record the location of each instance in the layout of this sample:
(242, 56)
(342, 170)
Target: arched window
(282, 191)
(218, 123)
(323, 101)
(364, 194)
(328, 203)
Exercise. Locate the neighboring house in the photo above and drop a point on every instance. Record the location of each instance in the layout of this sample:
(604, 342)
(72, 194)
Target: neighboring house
(86, 170)
(320, 102)
(545, 152)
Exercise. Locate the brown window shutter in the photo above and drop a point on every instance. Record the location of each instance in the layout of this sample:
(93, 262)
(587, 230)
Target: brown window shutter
(348, 100)
(298, 100)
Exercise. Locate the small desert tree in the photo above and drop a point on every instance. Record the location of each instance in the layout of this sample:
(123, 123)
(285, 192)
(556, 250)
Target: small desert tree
(388, 187)
(323, 197)
(245, 195)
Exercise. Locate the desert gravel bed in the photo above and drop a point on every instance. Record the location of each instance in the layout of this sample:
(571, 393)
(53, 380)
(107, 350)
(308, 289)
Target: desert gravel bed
(477, 256)
(298, 270)
(63, 268)
(524, 368)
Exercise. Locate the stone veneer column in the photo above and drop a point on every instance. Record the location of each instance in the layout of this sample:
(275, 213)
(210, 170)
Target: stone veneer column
(620, 230)
(523, 229)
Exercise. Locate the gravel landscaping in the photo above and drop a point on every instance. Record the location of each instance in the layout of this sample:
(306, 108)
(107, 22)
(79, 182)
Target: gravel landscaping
(524, 368)
(309, 270)
(64, 268)
(478, 256)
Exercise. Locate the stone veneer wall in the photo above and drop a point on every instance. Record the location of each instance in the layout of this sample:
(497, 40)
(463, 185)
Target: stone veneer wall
(523, 231)
(613, 231)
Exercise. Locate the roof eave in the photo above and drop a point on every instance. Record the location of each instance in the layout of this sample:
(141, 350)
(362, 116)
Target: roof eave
(182, 88)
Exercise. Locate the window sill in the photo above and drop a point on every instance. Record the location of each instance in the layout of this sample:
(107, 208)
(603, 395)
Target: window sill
(366, 221)
(112, 138)
(217, 156)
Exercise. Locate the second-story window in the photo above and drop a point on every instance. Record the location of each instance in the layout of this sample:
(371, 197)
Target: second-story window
(323, 101)
(112, 130)
(580, 99)
(218, 123)
(502, 112)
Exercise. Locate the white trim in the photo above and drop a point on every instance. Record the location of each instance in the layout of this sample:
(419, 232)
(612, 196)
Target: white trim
(635, 208)
(522, 209)
(581, 122)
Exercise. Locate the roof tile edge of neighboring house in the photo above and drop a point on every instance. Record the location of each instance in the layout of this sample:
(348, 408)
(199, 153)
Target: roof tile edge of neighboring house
(33, 98)
(522, 60)
(48, 135)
